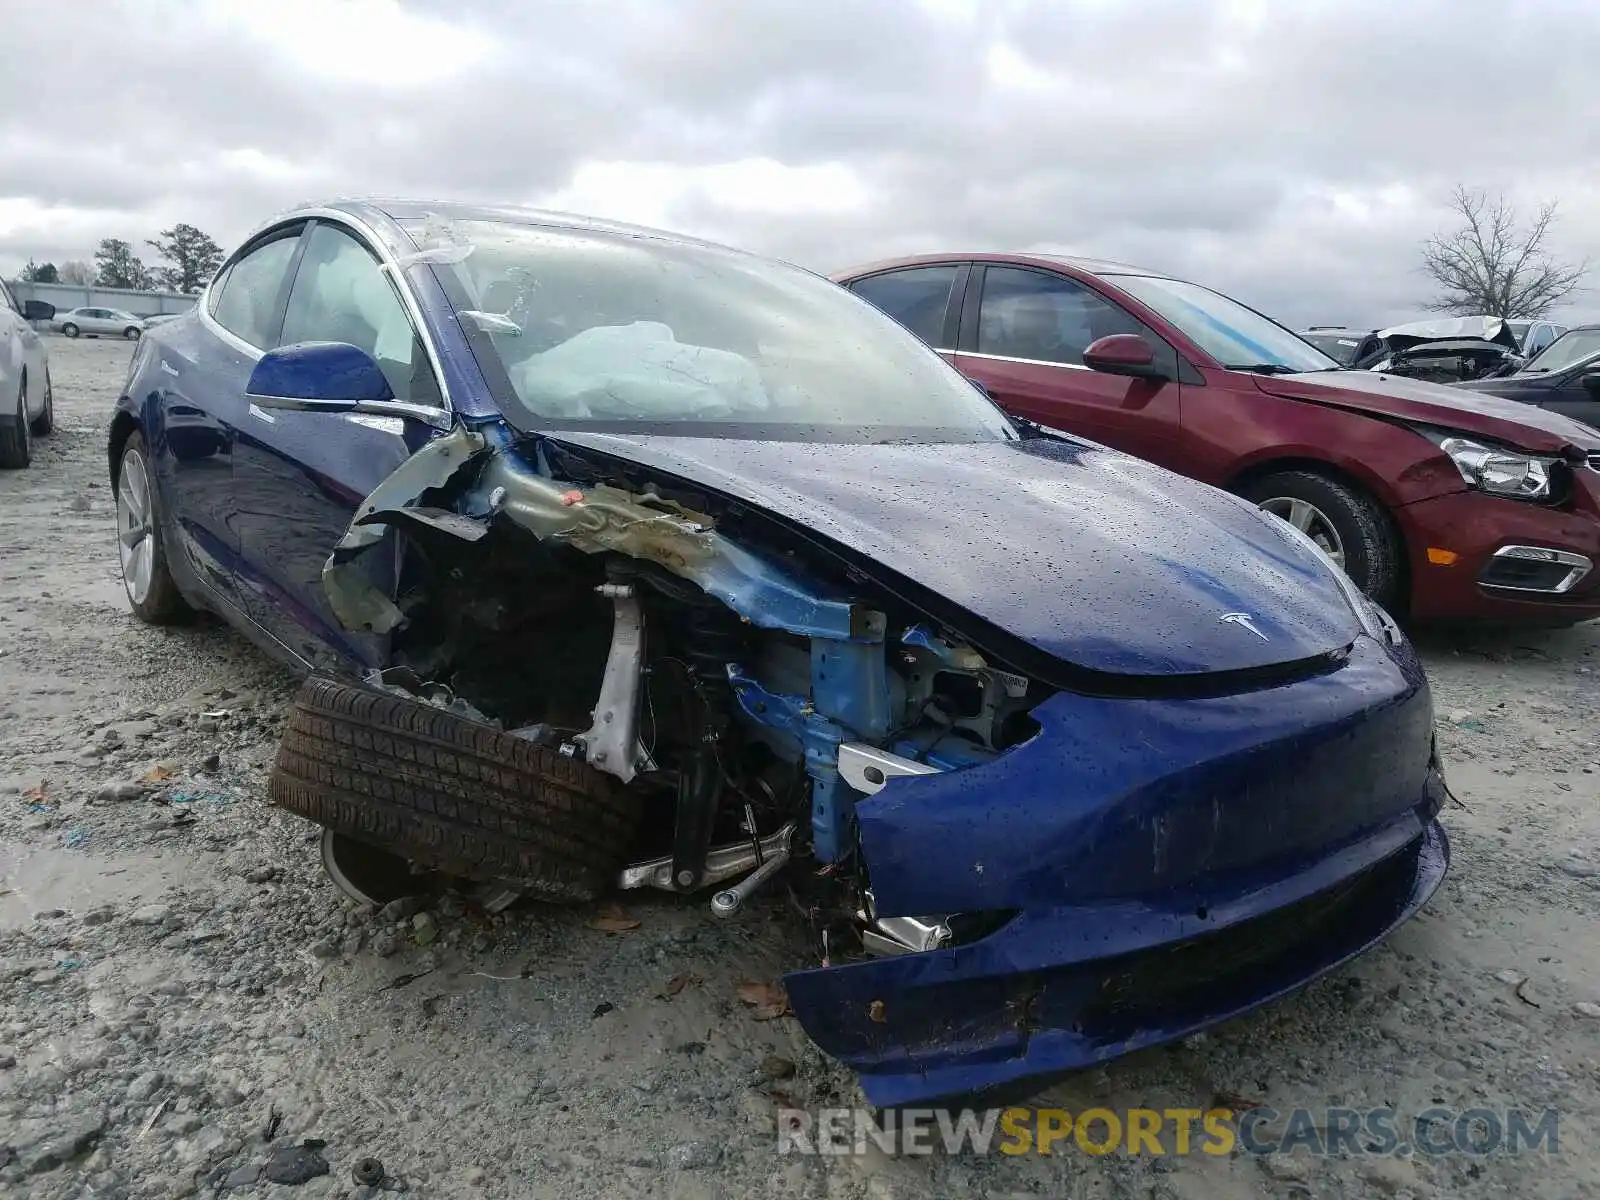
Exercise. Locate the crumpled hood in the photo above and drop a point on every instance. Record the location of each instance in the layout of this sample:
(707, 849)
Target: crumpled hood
(1445, 329)
(1426, 403)
(1101, 560)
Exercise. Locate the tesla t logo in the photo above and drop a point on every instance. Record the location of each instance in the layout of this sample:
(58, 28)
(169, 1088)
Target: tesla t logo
(1244, 621)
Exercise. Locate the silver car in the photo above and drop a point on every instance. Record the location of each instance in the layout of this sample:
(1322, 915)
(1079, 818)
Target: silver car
(1534, 336)
(26, 408)
(99, 322)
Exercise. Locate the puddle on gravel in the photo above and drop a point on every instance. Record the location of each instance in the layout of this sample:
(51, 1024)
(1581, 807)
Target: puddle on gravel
(33, 879)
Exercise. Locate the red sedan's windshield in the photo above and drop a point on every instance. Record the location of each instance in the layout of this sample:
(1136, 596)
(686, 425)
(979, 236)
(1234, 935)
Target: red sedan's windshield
(1236, 336)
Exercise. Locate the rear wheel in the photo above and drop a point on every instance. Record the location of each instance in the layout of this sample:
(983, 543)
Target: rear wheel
(1345, 521)
(131, 333)
(152, 594)
(16, 439)
(449, 794)
(70, 329)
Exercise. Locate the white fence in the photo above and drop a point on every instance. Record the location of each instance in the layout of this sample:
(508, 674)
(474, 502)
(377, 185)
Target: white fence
(72, 295)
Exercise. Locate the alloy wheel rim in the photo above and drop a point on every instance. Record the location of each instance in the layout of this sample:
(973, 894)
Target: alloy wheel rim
(1309, 520)
(135, 528)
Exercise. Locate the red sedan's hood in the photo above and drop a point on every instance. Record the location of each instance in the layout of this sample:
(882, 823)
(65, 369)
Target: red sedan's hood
(1522, 425)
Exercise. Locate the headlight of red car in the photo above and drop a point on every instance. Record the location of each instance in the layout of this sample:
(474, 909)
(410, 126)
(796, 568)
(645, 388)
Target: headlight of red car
(1497, 470)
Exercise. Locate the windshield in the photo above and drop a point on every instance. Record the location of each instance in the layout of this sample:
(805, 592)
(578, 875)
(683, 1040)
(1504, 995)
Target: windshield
(1340, 347)
(1568, 350)
(1237, 337)
(613, 331)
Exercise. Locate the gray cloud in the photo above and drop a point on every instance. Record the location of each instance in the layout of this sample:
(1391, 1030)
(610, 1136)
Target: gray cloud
(1291, 154)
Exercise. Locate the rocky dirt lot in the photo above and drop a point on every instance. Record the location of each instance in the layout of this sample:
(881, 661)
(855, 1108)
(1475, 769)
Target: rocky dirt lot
(188, 1006)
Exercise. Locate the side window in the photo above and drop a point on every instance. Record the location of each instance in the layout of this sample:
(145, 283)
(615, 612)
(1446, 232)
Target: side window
(248, 305)
(1539, 337)
(215, 297)
(1047, 318)
(917, 298)
(341, 295)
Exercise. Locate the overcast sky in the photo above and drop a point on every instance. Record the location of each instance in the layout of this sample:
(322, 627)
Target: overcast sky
(1292, 154)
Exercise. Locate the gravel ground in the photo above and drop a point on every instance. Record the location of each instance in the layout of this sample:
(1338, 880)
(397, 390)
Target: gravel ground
(184, 997)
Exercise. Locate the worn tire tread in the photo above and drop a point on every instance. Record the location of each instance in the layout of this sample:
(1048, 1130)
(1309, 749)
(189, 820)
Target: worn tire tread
(449, 792)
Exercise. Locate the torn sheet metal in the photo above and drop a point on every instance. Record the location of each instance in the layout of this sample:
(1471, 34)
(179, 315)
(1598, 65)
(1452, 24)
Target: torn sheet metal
(605, 518)
(354, 600)
(592, 520)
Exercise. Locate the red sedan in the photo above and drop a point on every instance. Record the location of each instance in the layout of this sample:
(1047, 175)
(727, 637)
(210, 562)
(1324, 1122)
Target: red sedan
(1439, 502)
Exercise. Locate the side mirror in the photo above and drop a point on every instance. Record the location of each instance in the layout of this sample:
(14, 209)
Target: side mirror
(37, 310)
(1124, 354)
(981, 386)
(331, 377)
(1591, 382)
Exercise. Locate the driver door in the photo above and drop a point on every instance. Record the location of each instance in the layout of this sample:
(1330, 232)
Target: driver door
(299, 476)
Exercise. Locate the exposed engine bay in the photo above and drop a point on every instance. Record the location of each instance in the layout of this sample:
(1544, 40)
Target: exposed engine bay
(747, 687)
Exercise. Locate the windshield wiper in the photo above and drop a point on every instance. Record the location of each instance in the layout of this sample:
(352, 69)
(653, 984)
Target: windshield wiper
(1263, 368)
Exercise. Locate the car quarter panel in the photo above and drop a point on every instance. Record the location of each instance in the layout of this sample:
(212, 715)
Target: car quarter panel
(186, 393)
(1233, 429)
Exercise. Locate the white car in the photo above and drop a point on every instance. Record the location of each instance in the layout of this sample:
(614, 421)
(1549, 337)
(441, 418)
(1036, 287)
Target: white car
(26, 407)
(99, 322)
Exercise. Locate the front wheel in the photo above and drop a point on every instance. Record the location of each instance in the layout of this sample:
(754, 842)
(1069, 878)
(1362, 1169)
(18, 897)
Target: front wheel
(152, 594)
(45, 423)
(444, 793)
(1345, 521)
(70, 330)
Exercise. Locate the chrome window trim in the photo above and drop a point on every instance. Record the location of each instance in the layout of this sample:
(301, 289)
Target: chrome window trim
(1034, 362)
(1580, 567)
(388, 264)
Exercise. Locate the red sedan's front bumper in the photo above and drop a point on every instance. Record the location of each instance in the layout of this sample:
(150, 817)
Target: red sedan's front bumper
(1452, 541)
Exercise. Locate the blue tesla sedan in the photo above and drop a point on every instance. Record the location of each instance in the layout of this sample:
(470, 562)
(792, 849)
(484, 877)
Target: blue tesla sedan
(615, 559)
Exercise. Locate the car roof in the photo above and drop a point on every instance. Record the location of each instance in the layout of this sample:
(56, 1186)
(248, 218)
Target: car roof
(1089, 266)
(398, 209)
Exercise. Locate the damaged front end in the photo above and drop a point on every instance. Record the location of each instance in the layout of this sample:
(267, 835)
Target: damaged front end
(1012, 877)
(1446, 350)
(756, 699)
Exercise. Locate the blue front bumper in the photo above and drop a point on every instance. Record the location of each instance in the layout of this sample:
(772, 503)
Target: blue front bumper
(1169, 865)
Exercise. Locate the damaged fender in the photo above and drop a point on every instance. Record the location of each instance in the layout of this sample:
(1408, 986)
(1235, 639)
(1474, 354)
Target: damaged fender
(849, 686)
(355, 601)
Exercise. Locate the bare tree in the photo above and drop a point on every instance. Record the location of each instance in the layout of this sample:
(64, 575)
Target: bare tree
(1495, 265)
(76, 271)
